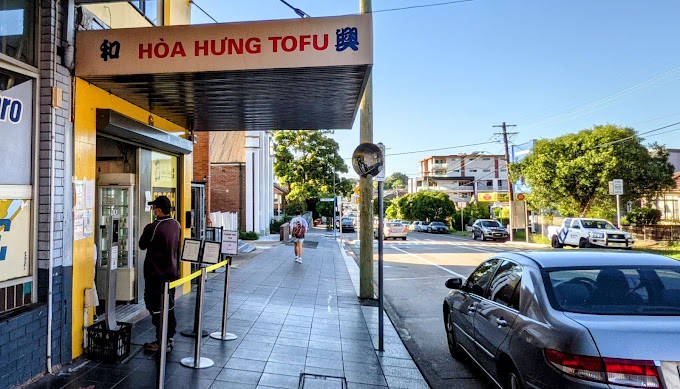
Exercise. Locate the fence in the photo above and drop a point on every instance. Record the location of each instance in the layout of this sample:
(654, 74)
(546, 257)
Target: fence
(661, 233)
(226, 220)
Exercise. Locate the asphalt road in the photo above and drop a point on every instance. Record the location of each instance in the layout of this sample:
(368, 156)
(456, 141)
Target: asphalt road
(414, 274)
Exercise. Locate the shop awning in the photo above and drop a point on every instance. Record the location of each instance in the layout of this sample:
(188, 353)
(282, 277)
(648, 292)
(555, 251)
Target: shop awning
(291, 74)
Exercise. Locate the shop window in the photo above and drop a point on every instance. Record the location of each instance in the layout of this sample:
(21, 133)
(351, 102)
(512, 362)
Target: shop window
(16, 205)
(17, 30)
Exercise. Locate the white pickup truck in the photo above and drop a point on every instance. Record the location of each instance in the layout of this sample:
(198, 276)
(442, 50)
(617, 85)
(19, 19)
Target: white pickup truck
(584, 233)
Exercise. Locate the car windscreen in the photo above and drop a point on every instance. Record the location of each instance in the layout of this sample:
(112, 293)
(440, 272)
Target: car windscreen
(601, 224)
(643, 290)
(489, 223)
(437, 224)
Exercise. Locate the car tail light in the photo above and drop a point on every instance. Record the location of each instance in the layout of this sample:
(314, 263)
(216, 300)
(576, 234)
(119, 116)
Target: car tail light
(389, 229)
(405, 229)
(624, 372)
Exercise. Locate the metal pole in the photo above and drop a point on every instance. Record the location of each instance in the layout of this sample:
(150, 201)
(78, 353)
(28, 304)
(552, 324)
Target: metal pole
(618, 212)
(527, 230)
(366, 288)
(462, 227)
(224, 335)
(197, 362)
(160, 379)
(380, 266)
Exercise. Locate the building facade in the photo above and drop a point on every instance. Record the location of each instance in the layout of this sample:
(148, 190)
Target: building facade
(462, 176)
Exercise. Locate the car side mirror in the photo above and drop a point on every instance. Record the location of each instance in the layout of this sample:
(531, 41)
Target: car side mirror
(454, 283)
(576, 227)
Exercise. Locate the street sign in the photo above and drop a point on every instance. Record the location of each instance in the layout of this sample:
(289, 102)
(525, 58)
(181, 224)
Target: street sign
(327, 199)
(520, 197)
(381, 175)
(617, 186)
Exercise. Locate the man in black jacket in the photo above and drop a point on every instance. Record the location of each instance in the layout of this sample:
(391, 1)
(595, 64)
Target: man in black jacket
(161, 240)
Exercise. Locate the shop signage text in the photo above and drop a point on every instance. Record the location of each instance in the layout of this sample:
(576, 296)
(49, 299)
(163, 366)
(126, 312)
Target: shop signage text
(10, 109)
(273, 44)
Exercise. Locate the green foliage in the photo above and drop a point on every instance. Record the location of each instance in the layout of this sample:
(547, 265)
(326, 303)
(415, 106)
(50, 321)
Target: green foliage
(396, 181)
(471, 213)
(250, 235)
(275, 225)
(306, 163)
(293, 205)
(502, 215)
(644, 216)
(572, 172)
(392, 212)
(386, 204)
(427, 206)
(325, 208)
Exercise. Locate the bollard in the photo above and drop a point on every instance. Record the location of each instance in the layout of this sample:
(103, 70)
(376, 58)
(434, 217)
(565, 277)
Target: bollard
(224, 335)
(160, 379)
(197, 362)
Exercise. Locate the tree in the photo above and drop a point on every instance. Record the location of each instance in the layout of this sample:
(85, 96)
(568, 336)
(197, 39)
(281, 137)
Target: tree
(325, 208)
(428, 206)
(386, 204)
(472, 212)
(572, 172)
(306, 161)
(396, 181)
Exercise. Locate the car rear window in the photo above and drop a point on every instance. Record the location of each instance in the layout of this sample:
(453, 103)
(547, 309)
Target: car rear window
(644, 290)
(394, 225)
(488, 223)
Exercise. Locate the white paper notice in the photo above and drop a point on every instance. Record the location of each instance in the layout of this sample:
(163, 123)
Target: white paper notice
(147, 196)
(89, 194)
(78, 232)
(87, 223)
(230, 242)
(79, 189)
(113, 258)
(211, 252)
(191, 250)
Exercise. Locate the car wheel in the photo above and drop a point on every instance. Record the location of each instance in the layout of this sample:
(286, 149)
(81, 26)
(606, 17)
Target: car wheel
(584, 244)
(555, 242)
(404, 238)
(474, 235)
(512, 380)
(454, 348)
(483, 237)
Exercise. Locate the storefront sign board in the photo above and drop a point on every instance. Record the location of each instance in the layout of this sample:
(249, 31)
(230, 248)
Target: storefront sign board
(16, 129)
(15, 232)
(295, 43)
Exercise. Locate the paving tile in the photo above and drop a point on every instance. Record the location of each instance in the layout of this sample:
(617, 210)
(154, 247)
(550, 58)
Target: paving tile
(365, 378)
(402, 372)
(292, 350)
(292, 342)
(240, 376)
(255, 345)
(251, 354)
(279, 381)
(331, 346)
(297, 359)
(183, 382)
(324, 371)
(231, 385)
(406, 383)
(335, 364)
(284, 369)
(245, 364)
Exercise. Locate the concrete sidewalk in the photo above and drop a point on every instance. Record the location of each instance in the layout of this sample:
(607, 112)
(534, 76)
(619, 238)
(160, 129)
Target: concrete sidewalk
(298, 326)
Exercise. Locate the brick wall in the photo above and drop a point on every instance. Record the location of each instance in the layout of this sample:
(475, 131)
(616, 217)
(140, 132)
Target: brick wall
(24, 357)
(201, 156)
(225, 180)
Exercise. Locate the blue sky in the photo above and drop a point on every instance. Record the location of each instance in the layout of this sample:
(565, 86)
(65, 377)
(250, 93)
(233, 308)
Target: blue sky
(444, 76)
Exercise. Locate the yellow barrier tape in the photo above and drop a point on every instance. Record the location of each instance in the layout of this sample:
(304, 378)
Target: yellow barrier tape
(216, 266)
(184, 280)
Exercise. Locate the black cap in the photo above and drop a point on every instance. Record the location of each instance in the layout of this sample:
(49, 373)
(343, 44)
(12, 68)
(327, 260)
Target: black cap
(162, 202)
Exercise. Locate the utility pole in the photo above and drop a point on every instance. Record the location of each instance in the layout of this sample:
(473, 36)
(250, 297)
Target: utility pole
(366, 186)
(504, 133)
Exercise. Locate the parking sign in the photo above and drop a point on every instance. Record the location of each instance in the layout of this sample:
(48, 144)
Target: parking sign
(617, 185)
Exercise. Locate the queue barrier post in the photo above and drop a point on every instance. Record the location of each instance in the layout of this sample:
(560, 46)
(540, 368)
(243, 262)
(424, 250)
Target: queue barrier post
(165, 301)
(198, 362)
(224, 335)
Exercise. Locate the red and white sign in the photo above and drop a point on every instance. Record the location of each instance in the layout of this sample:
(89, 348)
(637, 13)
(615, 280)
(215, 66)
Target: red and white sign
(310, 42)
(520, 197)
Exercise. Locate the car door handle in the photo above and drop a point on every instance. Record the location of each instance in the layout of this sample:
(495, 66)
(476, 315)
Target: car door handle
(501, 322)
(472, 309)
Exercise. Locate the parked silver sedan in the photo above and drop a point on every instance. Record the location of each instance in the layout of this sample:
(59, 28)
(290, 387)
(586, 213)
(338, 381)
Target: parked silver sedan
(549, 319)
(393, 230)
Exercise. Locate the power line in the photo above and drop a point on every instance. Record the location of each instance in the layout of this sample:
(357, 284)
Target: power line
(298, 11)
(202, 10)
(442, 148)
(636, 135)
(423, 6)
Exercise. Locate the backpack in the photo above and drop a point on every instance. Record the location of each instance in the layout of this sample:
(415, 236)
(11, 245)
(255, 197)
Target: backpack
(298, 230)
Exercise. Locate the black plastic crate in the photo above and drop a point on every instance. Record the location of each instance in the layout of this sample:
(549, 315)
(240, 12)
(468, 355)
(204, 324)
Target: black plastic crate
(106, 345)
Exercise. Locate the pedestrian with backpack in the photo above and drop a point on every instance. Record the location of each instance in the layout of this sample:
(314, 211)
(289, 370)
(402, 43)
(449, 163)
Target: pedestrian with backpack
(300, 227)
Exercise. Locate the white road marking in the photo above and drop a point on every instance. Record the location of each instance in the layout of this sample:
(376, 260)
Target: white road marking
(430, 262)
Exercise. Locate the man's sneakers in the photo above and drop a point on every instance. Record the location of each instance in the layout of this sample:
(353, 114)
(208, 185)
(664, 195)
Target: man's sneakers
(298, 259)
(152, 347)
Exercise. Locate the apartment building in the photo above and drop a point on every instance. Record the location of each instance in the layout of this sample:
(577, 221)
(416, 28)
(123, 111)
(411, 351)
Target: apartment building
(462, 176)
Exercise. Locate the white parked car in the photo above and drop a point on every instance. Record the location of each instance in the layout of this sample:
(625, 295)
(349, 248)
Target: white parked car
(584, 233)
